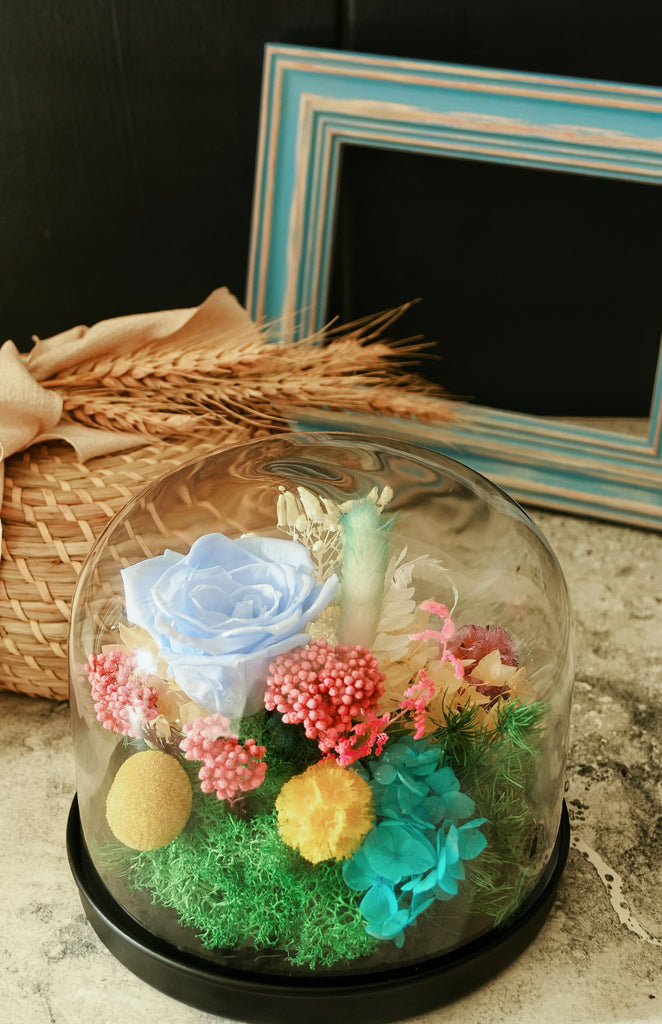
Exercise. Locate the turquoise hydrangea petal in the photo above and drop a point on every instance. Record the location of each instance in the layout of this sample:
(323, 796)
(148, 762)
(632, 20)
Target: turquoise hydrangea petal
(415, 853)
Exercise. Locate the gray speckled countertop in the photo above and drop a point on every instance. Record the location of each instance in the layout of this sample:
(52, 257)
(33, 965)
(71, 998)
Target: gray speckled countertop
(597, 959)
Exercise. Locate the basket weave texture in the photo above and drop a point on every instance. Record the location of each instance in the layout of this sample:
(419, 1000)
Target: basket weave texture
(54, 507)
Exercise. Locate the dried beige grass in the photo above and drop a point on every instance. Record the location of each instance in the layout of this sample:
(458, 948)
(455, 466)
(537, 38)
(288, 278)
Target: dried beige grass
(166, 389)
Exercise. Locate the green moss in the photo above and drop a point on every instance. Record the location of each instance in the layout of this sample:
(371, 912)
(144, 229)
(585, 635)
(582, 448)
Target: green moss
(288, 753)
(496, 766)
(237, 884)
(233, 880)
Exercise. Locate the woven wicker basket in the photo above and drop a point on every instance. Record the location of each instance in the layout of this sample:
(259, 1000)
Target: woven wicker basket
(53, 509)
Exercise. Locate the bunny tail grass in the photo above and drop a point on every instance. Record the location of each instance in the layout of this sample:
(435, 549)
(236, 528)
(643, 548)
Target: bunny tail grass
(365, 558)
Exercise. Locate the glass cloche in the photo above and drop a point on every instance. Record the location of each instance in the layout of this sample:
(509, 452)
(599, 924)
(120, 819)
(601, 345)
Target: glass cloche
(320, 691)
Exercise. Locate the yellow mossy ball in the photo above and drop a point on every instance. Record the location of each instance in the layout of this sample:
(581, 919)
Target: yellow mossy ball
(149, 801)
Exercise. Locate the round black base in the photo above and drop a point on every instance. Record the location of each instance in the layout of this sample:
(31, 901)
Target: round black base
(358, 999)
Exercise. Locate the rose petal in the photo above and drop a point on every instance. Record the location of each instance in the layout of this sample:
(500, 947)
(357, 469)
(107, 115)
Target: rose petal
(222, 612)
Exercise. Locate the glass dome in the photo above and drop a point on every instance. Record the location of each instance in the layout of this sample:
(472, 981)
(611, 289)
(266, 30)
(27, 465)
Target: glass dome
(320, 690)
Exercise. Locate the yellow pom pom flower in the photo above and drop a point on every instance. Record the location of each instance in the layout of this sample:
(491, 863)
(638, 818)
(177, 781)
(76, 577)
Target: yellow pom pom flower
(326, 812)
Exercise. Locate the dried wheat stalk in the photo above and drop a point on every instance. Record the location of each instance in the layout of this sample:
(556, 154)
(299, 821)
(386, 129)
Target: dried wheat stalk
(165, 390)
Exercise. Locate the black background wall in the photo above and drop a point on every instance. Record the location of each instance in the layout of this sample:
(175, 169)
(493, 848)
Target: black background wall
(128, 131)
(127, 141)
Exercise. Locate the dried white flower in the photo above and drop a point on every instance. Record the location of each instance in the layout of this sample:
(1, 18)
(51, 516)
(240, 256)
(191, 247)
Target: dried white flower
(313, 524)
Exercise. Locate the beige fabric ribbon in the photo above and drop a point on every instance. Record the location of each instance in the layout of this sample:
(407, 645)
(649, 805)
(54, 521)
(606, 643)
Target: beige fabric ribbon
(30, 413)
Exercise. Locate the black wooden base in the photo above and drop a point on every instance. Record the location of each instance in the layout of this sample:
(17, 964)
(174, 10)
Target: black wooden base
(370, 998)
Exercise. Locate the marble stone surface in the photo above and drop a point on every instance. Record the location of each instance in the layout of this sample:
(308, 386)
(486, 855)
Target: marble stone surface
(597, 959)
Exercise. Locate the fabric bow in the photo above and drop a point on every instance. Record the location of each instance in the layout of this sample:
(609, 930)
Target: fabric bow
(30, 413)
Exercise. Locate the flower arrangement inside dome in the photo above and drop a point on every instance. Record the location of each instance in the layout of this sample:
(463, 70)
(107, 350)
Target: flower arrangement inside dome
(335, 766)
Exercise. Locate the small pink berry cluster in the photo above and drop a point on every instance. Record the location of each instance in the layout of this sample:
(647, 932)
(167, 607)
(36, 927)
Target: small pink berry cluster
(229, 767)
(324, 688)
(121, 700)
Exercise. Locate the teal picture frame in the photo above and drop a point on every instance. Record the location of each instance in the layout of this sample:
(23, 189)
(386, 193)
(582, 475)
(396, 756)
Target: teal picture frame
(315, 102)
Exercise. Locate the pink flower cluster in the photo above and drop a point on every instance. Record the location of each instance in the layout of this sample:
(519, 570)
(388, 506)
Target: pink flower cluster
(445, 635)
(324, 688)
(350, 748)
(472, 643)
(415, 702)
(229, 767)
(122, 701)
(370, 736)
